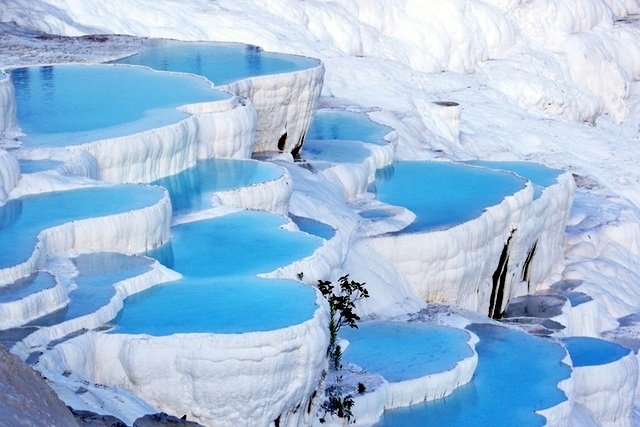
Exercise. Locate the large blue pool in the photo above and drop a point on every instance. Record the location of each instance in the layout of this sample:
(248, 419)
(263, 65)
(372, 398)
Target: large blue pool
(346, 125)
(517, 374)
(220, 293)
(540, 175)
(443, 194)
(193, 188)
(400, 351)
(221, 63)
(22, 219)
(72, 104)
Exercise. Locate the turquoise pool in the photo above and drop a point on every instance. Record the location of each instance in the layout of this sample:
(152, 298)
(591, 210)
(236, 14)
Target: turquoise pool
(65, 105)
(222, 63)
(540, 175)
(517, 374)
(346, 125)
(220, 293)
(586, 351)
(193, 188)
(400, 351)
(443, 194)
(22, 219)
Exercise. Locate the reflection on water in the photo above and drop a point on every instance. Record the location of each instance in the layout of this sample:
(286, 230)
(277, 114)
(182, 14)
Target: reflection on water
(253, 58)
(163, 254)
(10, 213)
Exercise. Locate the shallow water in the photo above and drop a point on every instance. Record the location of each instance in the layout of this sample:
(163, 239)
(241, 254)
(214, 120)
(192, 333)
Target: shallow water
(401, 351)
(586, 351)
(443, 194)
(314, 227)
(72, 104)
(220, 293)
(22, 219)
(335, 151)
(346, 125)
(517, 375)
(222, 63)
(33, 166)
(193, 188)
(540, 175)
(217, 305)
(29, 285)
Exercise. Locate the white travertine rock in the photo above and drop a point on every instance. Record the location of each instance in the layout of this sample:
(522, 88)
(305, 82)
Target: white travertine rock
(284, 103)
(216, 379)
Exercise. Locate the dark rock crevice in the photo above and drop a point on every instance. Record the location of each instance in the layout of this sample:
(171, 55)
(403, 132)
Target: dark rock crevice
(499, 280)
(282, 141)
(526, 267)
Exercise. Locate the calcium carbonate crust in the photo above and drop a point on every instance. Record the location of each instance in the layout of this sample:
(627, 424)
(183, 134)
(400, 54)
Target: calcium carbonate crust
(456, 265)
(156, 275)
(285, 104)
(9, 175)
(134, 231)
(216, 379)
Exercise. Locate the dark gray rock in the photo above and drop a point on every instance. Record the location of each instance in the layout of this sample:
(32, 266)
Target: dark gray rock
(91, 419)
(25, 398)
(163, 420)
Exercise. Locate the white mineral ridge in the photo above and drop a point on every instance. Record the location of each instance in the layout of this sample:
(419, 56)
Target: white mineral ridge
(216, 379)
(285, 104)
(216, 129)
(9, 175)
(19, 312)
(130, 232)
(607, 391)
(513, 67)
(455, 265)
(551, 45)
(156, 275)
(271, 196)
(8, 123)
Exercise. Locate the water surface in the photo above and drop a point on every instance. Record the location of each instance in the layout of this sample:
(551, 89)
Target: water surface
(220, 293)
(222, 63)
(193, 188)
(401, 351)
(540, 175)
(443, 194)
(65, 105)
(517, 375)
(346, 125)
(22, 219)
(587, 351)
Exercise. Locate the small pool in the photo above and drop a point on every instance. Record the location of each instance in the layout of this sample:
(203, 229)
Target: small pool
(314, 227)
(217, 305)
(400, 351)
(517, 374)
(586, 351)
(540, 175)
(97, 273)
(334, 151)
(193, 189)
(443, 194)
(220, 293)
(346, 125)
(577, 298)
(65, 105)
(22, 219)
(24, 287)
(222, 63)
(33, 166)
(245, 243)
